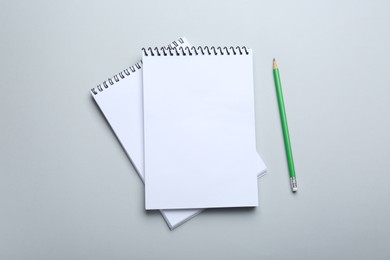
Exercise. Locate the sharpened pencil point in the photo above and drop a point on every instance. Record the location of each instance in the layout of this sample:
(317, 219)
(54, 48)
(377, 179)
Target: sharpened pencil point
(275, 65)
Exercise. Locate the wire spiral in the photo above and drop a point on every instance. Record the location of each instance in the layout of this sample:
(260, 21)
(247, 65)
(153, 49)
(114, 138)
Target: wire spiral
(190, 51)
(127, 72)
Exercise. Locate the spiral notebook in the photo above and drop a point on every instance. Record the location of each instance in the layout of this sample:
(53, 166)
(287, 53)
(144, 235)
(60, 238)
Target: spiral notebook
(120, 100)
(199, 128)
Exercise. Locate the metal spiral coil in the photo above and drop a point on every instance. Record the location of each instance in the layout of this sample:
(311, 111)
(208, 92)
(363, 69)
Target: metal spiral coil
(116, 78)
(189, 51)
(127, 72)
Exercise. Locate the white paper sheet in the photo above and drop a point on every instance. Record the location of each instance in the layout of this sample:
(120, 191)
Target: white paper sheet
(199, 130)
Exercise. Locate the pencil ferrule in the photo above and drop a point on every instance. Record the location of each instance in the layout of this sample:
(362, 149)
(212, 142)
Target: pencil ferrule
(293, 182)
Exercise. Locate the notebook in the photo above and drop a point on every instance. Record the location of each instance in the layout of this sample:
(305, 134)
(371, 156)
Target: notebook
(199, 128)
(120, 100)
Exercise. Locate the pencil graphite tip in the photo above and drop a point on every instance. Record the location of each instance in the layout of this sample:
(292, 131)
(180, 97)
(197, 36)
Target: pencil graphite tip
(275, 65)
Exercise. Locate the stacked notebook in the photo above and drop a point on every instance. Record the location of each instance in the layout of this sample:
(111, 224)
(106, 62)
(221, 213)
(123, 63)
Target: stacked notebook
(185, 117)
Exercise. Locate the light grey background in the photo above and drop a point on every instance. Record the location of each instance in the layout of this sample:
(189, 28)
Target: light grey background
(68, 191)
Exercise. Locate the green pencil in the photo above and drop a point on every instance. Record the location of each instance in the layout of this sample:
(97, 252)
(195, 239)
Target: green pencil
(283, 118)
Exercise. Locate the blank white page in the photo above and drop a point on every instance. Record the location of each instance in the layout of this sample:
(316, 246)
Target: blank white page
(199, 131)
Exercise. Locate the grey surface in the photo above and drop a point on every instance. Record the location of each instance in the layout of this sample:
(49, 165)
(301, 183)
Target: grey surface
(67, 190)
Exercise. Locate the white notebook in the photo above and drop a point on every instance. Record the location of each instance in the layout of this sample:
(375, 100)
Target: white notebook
(120, 100)
(199, 128)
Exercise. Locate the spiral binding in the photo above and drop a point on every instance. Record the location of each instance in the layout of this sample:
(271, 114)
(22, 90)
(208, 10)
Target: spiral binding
(189, 51)
(127, 72)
